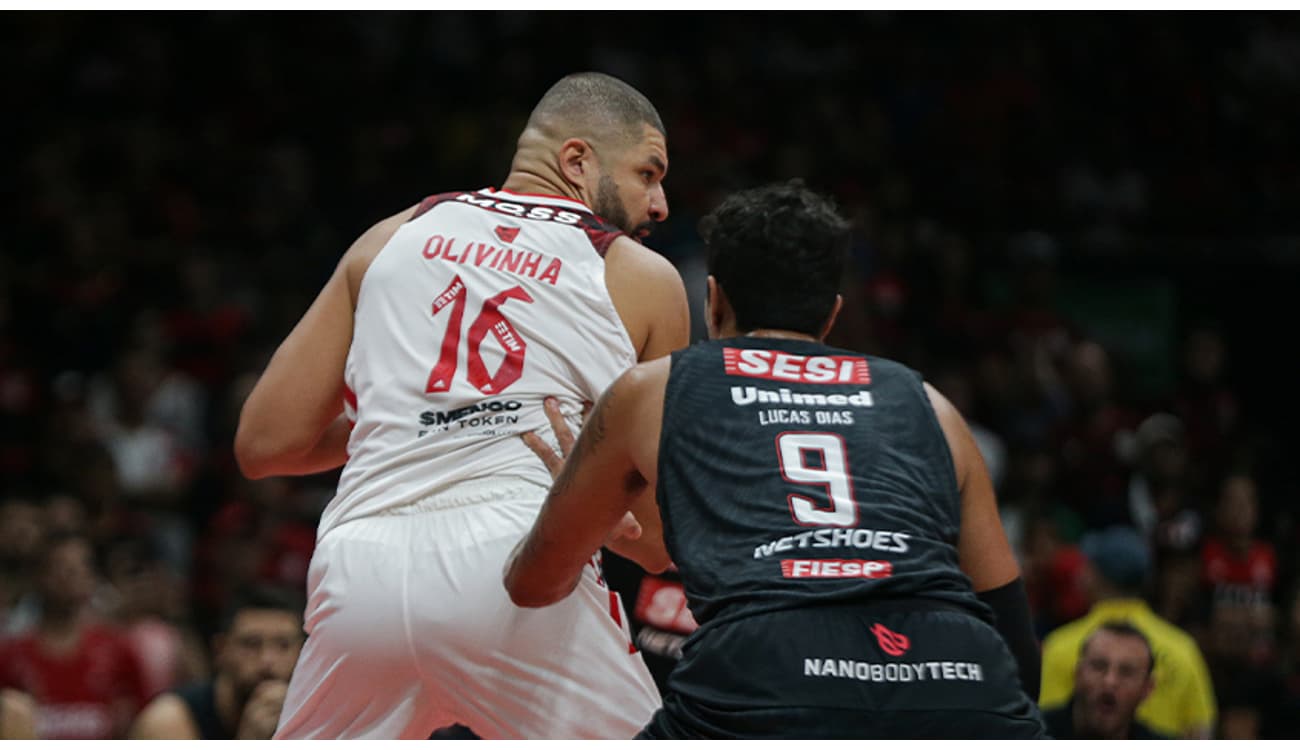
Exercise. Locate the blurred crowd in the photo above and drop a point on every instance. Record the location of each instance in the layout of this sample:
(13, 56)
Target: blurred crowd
(1046, 211)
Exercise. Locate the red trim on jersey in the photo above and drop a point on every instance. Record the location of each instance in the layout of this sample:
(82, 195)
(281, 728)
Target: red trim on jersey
(601, 233)
(432, 201)
(615, 611)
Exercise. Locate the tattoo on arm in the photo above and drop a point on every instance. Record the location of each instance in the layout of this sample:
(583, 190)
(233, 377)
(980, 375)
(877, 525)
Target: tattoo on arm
(593, 433)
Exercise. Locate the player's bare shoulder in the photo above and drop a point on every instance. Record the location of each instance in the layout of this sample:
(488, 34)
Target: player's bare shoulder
(356, 261)
(649, 296)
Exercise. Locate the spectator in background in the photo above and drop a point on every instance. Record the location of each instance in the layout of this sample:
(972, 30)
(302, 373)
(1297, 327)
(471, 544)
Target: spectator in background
(21, 530)
(255, 653)
(1241, 652)
(1112, 678)
(1182, 702)
(1157, 489)
(257, 538)
(83, 674)
(153, 465)
(1055, 575)
(1235, 566)
(146, 606)
(955, 384)
(1093, 472)
(1159, 502)
(1205, 403)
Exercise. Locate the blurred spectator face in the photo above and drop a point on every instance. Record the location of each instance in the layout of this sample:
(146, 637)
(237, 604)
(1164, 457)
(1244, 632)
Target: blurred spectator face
(20, 529)
(1089, 373)
(1204, 356)
(1036, 468)
(1238, 507)
(1161, 448)
(262, 644)
(136, 378)
(67, 579)
(65, 514)
(1166, 462)
(96, 477)
(1112, 678)
(994, 378)
(141, 581)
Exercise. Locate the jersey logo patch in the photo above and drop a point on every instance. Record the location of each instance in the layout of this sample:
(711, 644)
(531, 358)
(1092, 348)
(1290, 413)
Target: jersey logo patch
(507, 234)
(894, 644)
(770, 364)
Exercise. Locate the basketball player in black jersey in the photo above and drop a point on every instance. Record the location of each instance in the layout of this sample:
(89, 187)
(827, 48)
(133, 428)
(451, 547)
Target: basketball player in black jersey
(828, 512)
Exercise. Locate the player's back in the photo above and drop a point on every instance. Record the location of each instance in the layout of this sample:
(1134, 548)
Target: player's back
(792, 473)
(476, 309)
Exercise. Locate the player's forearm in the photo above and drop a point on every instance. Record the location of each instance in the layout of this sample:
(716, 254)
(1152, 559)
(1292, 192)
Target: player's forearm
(532, 582)
(264, 456)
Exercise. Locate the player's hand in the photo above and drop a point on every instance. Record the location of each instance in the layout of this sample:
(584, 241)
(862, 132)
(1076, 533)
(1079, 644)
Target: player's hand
(262, 712)
(554, 462)
(628, 528)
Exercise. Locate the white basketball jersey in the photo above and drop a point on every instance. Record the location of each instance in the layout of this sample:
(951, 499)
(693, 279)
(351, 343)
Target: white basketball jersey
(479, 307)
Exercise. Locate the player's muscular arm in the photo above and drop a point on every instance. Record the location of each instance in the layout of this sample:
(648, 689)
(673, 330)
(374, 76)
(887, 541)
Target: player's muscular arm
(292, 422)
(650, 299)
(592, 494)
(982, 549)
(166, 718)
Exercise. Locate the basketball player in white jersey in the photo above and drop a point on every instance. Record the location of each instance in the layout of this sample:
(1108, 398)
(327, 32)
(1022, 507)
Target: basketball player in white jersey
(418, 366)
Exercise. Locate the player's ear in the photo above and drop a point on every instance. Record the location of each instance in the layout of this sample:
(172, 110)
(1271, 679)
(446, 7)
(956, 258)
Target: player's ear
(576, 159)
(717, 310)
(830, 319)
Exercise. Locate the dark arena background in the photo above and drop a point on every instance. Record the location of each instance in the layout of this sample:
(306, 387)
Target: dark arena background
(1084, 228)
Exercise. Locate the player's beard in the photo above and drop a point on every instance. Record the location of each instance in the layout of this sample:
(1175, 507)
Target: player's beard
(610, 207)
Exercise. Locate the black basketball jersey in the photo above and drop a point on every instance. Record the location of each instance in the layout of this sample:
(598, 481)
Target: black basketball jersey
(201, 699)
(792, 474)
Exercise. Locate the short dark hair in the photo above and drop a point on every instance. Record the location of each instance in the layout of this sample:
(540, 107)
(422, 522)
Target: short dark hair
(1120, 627)
(778, 251)
(599, 103)
(261, 598)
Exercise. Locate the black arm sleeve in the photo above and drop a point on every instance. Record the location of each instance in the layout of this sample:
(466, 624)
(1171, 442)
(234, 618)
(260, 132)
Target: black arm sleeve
(1011, 610)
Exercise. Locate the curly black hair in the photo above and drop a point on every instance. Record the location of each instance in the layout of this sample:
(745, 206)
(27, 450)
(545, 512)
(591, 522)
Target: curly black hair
(778, 251)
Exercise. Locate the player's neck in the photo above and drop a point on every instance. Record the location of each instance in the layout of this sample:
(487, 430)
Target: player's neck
(778, 333)
(523, 181)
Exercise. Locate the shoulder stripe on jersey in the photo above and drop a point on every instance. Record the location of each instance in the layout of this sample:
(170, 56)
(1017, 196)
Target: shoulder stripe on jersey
(601, 233)
(430, 202)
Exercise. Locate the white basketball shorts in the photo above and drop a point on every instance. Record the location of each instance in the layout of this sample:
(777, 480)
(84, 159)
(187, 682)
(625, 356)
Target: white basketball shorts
(409, 628)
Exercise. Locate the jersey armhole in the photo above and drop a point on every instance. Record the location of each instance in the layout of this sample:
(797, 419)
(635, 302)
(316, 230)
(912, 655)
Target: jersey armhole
(601, 233)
